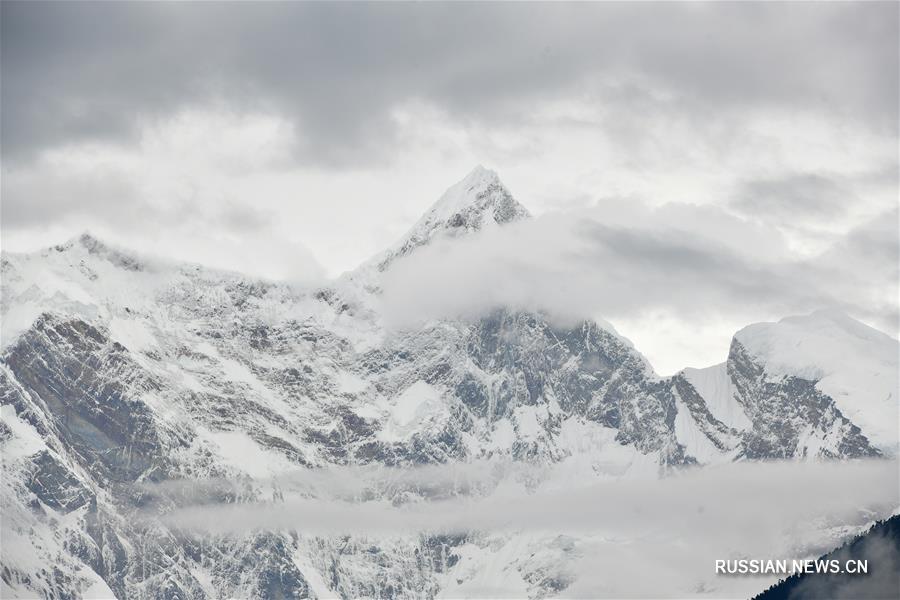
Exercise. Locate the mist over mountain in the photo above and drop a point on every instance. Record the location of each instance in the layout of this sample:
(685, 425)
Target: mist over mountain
(879, 547)
(175, 431)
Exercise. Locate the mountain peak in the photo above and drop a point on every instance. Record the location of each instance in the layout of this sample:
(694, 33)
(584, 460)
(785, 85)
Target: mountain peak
(96, 247)
(472, 192)
(854, 364)
(477, 201)
(91, 243)
(481, 173)
(84, 240)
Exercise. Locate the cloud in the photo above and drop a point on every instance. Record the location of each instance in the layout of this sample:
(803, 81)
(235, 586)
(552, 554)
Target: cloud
(743, 493)
(604, 535)
(356, 483)
(692, 261)
(32, 198)
(81, 71)
(810, 202)
(174, 194)
(797, 195)
(191, 129)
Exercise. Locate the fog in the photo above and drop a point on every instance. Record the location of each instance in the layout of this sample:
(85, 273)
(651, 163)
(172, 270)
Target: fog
(612, 531)
(695, 262)
(747, 500)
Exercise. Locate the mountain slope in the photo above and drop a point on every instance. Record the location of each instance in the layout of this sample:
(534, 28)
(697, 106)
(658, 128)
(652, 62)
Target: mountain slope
(822, 384)
(477, 202)
(121, 374)
(853, 364)
(879, 547)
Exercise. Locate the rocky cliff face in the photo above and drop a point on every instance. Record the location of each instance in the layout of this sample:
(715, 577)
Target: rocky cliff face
(121, 375)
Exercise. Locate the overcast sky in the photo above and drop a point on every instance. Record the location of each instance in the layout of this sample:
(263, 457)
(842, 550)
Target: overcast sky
(296, 140)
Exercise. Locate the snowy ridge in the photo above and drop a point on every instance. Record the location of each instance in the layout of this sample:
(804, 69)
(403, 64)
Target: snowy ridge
(852, 363)
(476, 202)
(119, 371)
(716, 387)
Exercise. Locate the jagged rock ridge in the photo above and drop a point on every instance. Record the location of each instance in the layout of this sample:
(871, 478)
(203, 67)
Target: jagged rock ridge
(118, 372)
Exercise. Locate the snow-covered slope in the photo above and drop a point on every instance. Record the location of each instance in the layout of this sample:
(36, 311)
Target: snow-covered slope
(479, 201)
(120, 371)
(718, 390)
(850, 362)
(811, 385)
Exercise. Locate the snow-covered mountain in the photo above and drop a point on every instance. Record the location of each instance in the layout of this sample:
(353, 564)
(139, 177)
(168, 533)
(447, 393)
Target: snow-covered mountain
(478, 202)
(120, 372)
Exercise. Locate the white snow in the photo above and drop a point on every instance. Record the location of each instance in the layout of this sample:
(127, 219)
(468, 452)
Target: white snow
(811, 442)
(854, 364)
(241, 452)
(25, 440)
(234, 370)
(350, 383)
(468, 195)
(461, 195)
(238, 372)
(16, 321)
(370, 411)
(419, 408)
(488, 569)
(410, 403)
(717, 390)
(96, 588)
(528, 421)
(857, 366)
(690, 436)
(503, 435)
(594, 454)
(132, 333)
(311, 574)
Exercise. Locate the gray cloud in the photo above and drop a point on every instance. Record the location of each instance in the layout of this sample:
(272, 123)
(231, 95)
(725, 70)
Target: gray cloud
(86, 71)
(36, 198)
(320, 122)
(797, 199)
(340, 500)
(863, 269)
(797, 195)
(32, 200)
(693, 261)
(751, 510)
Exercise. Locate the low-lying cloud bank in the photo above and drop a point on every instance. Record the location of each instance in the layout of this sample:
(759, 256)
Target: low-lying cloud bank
(613, 538)
(693, 261)
(740, 501)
